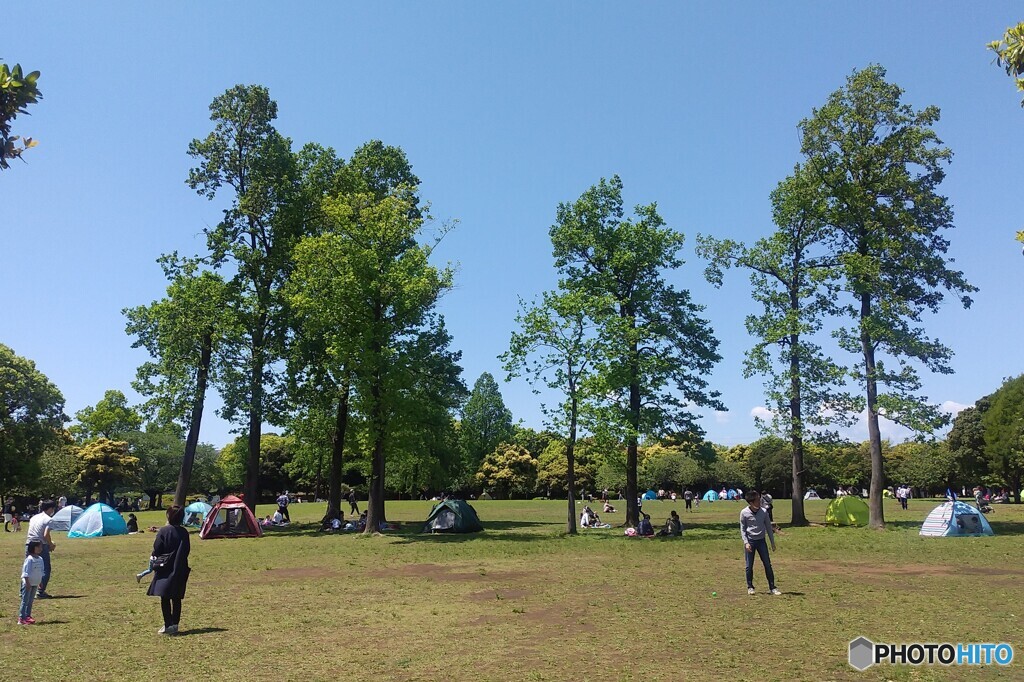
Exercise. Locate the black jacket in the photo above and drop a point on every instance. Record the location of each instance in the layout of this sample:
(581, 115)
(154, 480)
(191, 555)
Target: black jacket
(170, 580)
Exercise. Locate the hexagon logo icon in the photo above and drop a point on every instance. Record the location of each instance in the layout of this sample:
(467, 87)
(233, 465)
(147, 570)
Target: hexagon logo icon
(862, 653)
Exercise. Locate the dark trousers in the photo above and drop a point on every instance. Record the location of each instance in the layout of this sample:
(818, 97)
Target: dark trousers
(353, 507)
(172, 610)
(46, 566)
(759, 547)
(284, 513)
(689, 503)
(903, 502)
(769, 510)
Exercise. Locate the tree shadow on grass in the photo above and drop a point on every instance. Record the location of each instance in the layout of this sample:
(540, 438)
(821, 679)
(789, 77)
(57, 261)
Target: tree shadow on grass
(412, 528)
(64, 596)
(199, 631)
(51, 622)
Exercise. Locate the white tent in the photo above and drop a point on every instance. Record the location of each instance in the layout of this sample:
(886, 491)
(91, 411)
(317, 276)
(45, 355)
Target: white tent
(951, 519)
(65, 518)
(811, 495)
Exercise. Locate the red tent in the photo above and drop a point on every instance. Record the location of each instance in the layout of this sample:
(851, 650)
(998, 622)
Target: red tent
(230, 518)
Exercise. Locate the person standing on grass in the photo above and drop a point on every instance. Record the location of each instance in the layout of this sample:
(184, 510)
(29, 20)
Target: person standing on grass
(354, 506)
(39, 529)
(282, 506)
(31, 576)
(756, 531)
(169, 580)
(688, 499)
(766, 502)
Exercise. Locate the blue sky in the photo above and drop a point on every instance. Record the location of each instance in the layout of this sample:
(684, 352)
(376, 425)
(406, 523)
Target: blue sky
(505, 110)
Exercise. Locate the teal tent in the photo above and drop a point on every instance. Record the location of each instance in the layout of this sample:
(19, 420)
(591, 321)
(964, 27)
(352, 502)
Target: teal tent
(99, 519)
(710, 496)
(452, 516)
(650, 495)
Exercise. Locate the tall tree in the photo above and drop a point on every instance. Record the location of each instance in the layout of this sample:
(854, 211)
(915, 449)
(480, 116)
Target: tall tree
(246, 156)
(112, 417)
(791, 275)
(372, 271)
(966, 442)
(325, 343)
(556, 348)
(1004, 433)
(159, 452)
(180, 332)
(655, 349)
(31, 419)
(18, 90)
(486, 422)
(877, 164)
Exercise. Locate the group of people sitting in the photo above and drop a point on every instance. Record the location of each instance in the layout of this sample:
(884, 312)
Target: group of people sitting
(645, 529)
(276, 519)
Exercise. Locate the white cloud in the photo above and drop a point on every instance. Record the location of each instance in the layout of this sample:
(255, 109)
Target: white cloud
(952, 407)
(761, 412)
(721, 417)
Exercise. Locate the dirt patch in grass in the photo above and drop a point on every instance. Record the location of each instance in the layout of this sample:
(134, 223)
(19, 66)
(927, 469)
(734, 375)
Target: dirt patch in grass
(494, 595)
(911, 570)
(441, 573)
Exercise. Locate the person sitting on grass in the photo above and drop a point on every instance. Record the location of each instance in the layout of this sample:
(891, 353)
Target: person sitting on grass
(644, 529)
(673, 526)
(132, 524)
(608, 508)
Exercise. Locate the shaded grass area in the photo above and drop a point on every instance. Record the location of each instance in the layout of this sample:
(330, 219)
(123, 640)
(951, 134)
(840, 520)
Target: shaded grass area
(521, 601)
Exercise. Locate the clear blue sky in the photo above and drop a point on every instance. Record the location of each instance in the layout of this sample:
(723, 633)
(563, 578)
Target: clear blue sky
(504, 110)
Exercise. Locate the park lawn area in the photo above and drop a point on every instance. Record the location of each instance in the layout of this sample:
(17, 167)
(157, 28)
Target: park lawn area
(522, 601)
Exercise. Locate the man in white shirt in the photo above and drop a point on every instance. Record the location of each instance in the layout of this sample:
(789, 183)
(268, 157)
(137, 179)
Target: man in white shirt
(39, 529)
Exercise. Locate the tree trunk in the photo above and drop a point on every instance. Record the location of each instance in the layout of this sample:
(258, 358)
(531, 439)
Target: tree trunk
(570, 471)
(632, 491)
(251, 489)
(375, 503)
(876, 512)
(796, 429)
(153, 495)
(192, 442)
(337, 453)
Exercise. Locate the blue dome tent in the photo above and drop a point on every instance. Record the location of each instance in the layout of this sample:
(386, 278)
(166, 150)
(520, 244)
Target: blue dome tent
(710, 496)
(98, 520)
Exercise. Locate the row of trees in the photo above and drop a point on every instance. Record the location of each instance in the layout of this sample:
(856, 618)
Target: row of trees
(314, 305)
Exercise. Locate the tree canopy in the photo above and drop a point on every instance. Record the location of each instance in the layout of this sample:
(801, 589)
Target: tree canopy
(18, 90)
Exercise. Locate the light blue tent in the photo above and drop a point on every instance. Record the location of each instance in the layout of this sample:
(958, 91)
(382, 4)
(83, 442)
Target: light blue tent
(99, 519)
(650, 495)
(951, 519)
(195, 513)
(731, 494)
(710, 496)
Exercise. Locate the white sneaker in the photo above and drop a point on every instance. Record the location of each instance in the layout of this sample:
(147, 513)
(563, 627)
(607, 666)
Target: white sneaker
(162, 630)
(776, 592)
(750, 590)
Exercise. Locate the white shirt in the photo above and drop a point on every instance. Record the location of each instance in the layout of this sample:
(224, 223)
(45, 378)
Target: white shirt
(33, 570)
(278, 517)
(37, 525)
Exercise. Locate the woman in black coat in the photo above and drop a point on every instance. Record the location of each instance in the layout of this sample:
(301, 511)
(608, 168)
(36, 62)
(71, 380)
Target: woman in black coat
(170, 580)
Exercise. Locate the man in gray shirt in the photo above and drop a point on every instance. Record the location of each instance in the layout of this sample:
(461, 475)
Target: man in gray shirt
(756, 531)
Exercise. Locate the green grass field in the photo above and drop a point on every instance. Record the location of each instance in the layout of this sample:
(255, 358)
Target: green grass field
(521, 601)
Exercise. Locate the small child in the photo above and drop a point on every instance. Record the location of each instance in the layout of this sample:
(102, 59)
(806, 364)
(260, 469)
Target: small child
(756, 531)
(31, 576)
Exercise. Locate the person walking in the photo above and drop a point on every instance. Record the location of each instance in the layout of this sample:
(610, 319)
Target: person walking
(170, 569)
(282, 506)
(756, 531)
(353, 505)
(39, 529)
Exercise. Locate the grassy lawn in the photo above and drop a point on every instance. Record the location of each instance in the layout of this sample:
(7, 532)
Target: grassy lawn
(521, 601)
